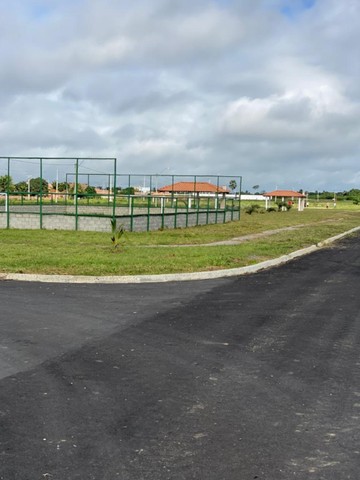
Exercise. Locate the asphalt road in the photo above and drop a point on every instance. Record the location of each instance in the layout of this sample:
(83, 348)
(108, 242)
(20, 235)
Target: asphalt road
(256, 377)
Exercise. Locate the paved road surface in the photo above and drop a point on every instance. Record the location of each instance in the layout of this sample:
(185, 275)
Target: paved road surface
(256, 377)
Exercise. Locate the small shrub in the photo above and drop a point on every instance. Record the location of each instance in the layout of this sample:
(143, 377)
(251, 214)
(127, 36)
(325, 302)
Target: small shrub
(284, 205)
(271, 209)
(252, 208)
(116, 233)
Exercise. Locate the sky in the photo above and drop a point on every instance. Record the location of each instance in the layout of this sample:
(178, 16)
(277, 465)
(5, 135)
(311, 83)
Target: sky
(264, 89)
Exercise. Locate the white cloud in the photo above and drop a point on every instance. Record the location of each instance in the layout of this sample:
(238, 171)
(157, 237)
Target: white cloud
(312, 114)
(240, 87)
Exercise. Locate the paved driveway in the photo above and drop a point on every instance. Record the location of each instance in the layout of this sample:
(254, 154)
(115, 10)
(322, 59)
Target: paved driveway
(256, 377)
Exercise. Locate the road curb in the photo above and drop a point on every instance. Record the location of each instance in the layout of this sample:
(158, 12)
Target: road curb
(176, 277)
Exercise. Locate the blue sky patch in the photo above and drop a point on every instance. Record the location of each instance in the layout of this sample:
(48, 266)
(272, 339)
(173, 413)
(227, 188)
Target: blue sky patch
(39, 11)
(293, 9)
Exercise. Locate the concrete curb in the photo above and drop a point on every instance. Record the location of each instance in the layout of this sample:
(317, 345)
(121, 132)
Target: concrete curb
(175, 277)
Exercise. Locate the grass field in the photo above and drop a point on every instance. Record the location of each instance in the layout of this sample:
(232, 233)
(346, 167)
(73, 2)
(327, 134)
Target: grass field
(89, 253)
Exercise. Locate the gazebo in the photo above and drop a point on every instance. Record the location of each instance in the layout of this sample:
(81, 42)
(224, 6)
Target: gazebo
(286, 195)
(193, 188)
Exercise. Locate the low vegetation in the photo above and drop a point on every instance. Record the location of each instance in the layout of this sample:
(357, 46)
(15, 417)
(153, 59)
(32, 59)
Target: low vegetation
(117, 233)
(90, 253)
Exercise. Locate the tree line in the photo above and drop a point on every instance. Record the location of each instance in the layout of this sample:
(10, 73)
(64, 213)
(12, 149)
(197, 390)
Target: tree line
(39, 185)
(35, 186)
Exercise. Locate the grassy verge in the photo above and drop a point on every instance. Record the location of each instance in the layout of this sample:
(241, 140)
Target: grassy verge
(88, 253)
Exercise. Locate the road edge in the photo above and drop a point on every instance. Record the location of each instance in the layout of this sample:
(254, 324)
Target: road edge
(176, 277)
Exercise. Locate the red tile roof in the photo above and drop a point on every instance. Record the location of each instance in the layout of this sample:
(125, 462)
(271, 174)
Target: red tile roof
(191, 187)
(284, 193)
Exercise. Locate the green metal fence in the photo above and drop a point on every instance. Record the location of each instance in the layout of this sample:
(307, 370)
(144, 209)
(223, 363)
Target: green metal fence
(137, 200)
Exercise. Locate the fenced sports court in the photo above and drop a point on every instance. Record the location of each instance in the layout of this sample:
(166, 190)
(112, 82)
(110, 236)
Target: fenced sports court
(87, 193)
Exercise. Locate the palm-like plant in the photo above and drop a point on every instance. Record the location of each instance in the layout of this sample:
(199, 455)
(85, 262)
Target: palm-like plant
(116, 233)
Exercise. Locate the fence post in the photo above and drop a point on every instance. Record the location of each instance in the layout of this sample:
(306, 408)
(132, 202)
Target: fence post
(114, 191)
(131, 200)
(162, 211)
(216, 206)
(41, 194)
(240, 187)
(187, 213)
(76, 192)
(175, 212)
(7, 203)
(148, 213)
(197, 210)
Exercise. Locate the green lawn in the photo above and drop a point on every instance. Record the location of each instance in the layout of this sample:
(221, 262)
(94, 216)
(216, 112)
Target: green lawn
(89, 253)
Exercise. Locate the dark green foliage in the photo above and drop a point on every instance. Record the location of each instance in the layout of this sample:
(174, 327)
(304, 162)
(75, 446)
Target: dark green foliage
(232, 184)
(21, 187)
(354, 195)
(252, 208)
(90, 191)
(62, 186)
(128, 191)
(282, 205)
(6, 184)
(79, 190)
(38, 185)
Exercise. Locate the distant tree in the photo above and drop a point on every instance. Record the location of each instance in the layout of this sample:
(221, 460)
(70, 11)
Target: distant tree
(79, 189)
(62, 186)
(90, 191)
(128, 191)
(256, 188)
(354, 195)
(21, 187)
(340, 195)
(232, 184)
(39, 184)
(326, 195)
(6, 184)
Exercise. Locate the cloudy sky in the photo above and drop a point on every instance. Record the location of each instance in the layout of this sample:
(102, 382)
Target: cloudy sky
(266, 89)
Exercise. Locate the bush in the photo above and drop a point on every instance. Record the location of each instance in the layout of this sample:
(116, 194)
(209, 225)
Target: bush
(282, 205)
(116, 233)
(252, 208)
